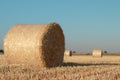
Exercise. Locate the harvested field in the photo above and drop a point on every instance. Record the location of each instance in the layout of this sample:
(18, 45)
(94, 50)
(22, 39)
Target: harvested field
(90, 59)
(74, 68)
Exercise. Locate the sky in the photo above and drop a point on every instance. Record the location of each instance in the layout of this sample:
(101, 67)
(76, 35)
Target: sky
(87, 24)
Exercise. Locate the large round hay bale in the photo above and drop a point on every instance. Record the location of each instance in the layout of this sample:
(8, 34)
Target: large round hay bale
(35, 44)
(68, 53)
(97, 53)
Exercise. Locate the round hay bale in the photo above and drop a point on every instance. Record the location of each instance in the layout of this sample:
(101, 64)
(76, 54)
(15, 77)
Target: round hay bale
(97, 53)
(68, 53)
(35, 44)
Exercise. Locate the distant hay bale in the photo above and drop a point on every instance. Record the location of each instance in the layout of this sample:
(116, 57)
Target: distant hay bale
(68, 53)
(35, 44)
(97, 53)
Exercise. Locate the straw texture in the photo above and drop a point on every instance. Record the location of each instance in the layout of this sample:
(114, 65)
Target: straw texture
(40, 45)
(97, 53)
(68, 53)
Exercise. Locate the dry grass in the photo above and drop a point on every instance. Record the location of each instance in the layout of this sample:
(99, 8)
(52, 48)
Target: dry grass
(74, 68)
(90, 59)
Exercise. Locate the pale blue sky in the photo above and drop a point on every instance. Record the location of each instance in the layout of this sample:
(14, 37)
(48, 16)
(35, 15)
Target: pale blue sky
(87, 24)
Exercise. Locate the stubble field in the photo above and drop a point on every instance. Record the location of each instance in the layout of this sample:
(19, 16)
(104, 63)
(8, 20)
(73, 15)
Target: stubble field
(74, 68)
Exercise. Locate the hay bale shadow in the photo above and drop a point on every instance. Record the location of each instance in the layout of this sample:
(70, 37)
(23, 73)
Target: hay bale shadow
(87, 64)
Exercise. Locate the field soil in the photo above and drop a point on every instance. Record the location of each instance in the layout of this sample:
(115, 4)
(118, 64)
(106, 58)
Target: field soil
(74, 68)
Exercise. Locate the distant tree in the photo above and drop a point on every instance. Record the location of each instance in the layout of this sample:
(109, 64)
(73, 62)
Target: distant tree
(74, 52)
(1, 51)
(88, 53)
(105, 52)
